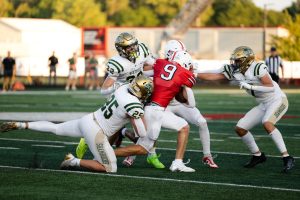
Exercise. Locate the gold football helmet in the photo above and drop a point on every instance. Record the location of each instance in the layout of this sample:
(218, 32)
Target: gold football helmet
(242, 57)
(141, 87)
(127, 46)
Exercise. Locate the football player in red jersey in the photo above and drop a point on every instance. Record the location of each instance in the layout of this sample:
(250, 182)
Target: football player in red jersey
(169, 77)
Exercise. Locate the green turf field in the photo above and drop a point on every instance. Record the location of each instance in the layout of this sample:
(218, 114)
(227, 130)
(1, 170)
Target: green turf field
(29, 164)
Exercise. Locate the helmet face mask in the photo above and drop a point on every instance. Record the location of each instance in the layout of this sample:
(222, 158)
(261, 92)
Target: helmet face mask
(241, 58)
(141, 87)
(173, 46)
(184, 59)
(127, 46)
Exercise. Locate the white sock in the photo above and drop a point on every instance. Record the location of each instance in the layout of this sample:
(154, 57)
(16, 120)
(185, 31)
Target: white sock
(278, 140)
(22, 125)
(133, 157)
(43, 126)
(178, 160)
(152, 151)
(248, 139)
(75, 162)
(123, 131)
(205, 139)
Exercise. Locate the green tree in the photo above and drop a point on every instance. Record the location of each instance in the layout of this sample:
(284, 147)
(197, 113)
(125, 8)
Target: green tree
(289, 47)
(241, 13)
(294, 9)
(79, 12)
(5, 8)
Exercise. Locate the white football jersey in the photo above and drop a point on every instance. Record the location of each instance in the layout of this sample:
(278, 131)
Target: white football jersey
(124, 71)
(252, 76)
(115, 113)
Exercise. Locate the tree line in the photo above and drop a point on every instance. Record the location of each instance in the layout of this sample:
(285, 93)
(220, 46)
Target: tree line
(149, 13)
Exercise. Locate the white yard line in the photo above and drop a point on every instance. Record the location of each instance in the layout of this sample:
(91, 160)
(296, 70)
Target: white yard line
(10, 148)
(127, 142)
(159, 179)
(51, 146)
(213, 140)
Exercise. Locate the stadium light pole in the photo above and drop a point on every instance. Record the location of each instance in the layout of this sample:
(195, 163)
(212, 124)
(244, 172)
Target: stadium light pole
(264, 32)
(265, 20)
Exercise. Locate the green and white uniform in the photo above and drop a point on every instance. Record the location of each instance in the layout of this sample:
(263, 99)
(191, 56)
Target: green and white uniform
(271, 105)
(124, 71)
(114, 114)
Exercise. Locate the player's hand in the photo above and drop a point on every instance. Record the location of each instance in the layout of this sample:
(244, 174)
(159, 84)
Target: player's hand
(195, 67)
(245, 85)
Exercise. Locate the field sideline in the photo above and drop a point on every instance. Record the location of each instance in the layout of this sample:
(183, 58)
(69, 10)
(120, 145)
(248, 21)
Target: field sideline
(29, 166)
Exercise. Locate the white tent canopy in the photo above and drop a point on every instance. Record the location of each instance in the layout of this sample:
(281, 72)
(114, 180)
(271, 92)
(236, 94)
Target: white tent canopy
(32, 41)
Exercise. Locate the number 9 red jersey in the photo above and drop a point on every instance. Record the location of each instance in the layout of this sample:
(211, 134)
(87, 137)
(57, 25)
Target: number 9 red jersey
(168, 78)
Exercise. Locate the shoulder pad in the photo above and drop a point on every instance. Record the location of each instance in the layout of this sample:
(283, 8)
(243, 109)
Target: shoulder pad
(134, 109)
(260, 69)
(114, 67)
(228, 71)
(145, 49)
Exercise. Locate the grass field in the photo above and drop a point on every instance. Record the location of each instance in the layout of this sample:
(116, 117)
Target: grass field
(29, 164)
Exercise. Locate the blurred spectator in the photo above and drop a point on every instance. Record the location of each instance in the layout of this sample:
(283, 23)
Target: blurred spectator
(53, 61)
(72, 73)
(86, 71)
(9, 71)
(273, 62)
(93, 64)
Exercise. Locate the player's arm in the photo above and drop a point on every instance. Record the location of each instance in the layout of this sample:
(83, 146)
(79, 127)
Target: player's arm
(136, 114)
(139, 126)
(210, 76)
(281, 65)
(225, 72)
(265, 79)
(109, 85)
(189, 96)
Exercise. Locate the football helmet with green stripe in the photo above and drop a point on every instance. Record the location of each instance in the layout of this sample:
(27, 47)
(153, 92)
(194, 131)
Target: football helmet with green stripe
(242, 57)
(141, 87)
(127, 46)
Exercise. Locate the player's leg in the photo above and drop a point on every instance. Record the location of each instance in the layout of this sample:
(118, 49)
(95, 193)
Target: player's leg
(153, 119)
(6, 83)
(193, 116)
(251, 119)
(274, 112)
(104, 157)
(69, 128)
(171, 121)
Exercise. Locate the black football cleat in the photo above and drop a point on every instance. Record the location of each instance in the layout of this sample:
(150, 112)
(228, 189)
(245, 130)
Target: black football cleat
(256, 160)
(288, 163)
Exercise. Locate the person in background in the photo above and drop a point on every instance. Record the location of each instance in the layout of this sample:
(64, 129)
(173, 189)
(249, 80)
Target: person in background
(273, 62)
(53, 61)
(72, 73)
(9, 71)
(86, 70)
(93, 64)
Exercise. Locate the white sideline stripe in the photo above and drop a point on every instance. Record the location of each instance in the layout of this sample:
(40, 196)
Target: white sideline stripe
(46, 141)
(214, 140)
(172, 141)
(157, 179)
(127, 142)
(52, 146)
(221, 152)
(10, 148)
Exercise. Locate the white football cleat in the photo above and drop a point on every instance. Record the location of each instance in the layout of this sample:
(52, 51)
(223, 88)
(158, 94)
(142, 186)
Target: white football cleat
(180, 167)
(208, 160)
(128, 161)
(68, 162)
